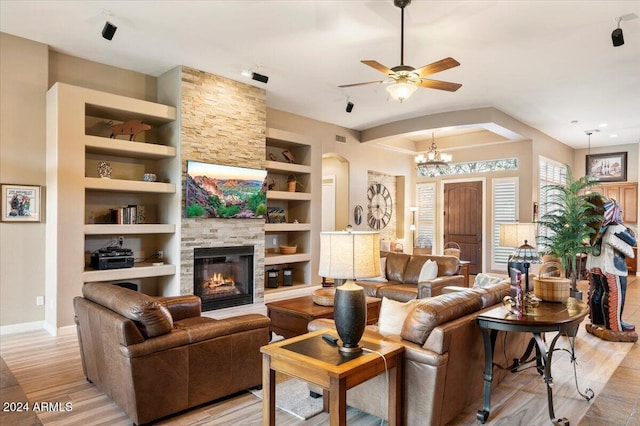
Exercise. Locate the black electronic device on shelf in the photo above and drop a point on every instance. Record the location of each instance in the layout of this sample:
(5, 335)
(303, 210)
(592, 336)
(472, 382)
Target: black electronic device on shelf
(112, 258)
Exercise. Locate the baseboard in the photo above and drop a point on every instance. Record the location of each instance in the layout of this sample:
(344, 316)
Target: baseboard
(22, 327)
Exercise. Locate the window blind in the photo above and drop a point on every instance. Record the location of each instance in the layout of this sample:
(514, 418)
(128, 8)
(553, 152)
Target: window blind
(505, 210)
(549, 173)
(425, 222)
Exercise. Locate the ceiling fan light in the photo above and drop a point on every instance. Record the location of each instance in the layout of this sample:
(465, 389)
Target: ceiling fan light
(401, 91)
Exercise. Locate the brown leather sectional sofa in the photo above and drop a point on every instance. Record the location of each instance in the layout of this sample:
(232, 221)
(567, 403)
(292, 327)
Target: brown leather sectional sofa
(443, 359)
(158, 356)
(403, 273)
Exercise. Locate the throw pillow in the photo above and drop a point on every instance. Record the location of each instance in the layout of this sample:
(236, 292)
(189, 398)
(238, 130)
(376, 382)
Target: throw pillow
(429, 271)
(484, 280)
(392, 315)
(382, 278)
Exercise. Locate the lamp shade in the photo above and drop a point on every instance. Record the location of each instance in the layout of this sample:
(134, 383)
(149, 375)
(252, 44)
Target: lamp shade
(401, 90)
(349, 255)
(515, 234)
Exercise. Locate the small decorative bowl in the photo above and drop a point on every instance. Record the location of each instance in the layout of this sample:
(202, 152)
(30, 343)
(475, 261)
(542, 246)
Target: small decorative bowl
(288, 249)
(149, 177)
(324, 296)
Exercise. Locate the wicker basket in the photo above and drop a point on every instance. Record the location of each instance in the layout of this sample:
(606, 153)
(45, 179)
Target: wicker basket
(452, 249)
(324, 296)
(288, 249)
(551, 288)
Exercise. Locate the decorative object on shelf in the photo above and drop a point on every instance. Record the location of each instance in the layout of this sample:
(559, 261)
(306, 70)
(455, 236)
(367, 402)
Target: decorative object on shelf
(276, 215)
(271, 185)
(292, 183)
(149, 177)
(347, 256)
(288, 249)
(434, 160)
(272, 156)
(289, 156)
(131, 128)
(324, 296)
(607, 167)
(357, 214)
(20, 203)
(272, 278)
(104, 169)
(566, 223)
(380, 206)
(287, 276)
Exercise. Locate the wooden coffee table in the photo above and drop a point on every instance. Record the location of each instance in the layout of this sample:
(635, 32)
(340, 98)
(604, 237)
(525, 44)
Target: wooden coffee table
(312, 359)
(290, 317)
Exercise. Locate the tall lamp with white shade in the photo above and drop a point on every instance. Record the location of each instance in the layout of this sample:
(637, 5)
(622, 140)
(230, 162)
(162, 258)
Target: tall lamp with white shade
(347, 256)
(513, 235)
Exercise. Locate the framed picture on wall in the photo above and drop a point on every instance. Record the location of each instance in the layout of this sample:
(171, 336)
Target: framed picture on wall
(20, 203)
(607, 167)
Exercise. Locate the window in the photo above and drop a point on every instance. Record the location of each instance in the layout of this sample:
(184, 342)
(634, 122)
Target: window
(505, 210)
(425, 225)
(549, 173)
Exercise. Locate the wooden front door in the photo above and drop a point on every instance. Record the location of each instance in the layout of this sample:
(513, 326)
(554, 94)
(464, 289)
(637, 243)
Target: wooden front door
(463, 221)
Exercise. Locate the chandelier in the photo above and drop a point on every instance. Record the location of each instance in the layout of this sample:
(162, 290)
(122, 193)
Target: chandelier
(434, 159)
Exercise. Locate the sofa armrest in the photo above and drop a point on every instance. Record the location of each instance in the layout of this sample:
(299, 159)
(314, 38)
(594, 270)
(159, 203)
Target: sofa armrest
(435, 287)
(182, 307)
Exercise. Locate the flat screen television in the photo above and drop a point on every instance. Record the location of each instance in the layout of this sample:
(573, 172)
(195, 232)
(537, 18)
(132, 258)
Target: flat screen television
(217, 191)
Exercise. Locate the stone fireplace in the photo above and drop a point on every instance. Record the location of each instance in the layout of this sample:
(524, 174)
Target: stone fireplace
(223, 276)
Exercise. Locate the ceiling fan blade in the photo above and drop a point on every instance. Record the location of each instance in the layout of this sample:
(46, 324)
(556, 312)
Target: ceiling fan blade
(377, 65)
(361, 84)
(440, 85)
(441, 65)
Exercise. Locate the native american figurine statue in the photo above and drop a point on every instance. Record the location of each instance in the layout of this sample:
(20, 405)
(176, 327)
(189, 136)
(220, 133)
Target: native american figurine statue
(608, 276)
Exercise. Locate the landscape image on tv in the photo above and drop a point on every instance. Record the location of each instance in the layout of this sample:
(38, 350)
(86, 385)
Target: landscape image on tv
(217, 191)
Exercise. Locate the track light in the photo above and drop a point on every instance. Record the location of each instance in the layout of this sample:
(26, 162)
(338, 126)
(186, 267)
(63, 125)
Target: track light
(349, 107)
(259, 77)
(616, 37)
(109, 30)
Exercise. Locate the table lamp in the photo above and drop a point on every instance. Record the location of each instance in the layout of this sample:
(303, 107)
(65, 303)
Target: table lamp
(511, 235)
(347, 256)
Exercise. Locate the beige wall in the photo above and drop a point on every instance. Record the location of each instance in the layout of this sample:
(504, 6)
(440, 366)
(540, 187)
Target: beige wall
(23, 81)
(338, 167)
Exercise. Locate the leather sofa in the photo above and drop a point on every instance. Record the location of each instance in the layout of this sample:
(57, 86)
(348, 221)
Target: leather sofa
(402, 273)
(443, 361)
(155, 356)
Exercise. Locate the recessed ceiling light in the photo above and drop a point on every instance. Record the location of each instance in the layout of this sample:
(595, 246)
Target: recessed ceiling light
(246, 73)
(603, 124)
(574, 122)
(613, 136)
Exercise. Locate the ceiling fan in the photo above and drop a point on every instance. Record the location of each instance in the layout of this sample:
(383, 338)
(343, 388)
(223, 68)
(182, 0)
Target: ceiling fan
(406, 79)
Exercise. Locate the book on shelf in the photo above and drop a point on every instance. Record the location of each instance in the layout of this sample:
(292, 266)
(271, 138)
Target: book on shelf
(131, 214)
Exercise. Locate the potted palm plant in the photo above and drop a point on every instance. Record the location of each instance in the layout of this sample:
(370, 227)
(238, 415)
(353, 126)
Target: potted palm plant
(567, 219)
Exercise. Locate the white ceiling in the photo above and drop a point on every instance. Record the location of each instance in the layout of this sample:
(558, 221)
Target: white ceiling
(545, 63)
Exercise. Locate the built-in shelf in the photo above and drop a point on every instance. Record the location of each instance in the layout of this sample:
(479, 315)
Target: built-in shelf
(284, 227)
(141, 270)
(277, 166)
(279, 259)
(104, 184)
(290, 196)
(101, 145)
(146, 228)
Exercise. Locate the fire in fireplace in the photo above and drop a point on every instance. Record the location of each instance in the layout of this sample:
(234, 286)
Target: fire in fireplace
(223, 276)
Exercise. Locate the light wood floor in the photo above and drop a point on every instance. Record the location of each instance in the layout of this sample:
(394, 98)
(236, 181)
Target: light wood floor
(48, 369)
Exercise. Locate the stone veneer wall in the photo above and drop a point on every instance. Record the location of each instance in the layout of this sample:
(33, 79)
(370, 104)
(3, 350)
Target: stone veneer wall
(222, 121)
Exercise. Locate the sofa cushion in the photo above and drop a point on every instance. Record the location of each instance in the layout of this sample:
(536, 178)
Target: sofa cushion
(392, 315)
(399, 292)
(429, 271)
(430, 313)
(151, 318)
(396, 264)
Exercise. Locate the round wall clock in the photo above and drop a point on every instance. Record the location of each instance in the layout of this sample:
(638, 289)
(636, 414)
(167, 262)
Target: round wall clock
(380, 206)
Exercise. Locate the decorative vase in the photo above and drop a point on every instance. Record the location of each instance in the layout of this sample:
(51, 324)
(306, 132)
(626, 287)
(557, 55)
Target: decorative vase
(350, 315)
(104, 170)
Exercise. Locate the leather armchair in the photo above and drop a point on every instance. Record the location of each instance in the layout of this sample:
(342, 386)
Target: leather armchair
(155, 356)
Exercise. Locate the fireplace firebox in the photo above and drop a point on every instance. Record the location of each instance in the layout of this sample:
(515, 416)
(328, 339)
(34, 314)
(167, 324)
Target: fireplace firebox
(223, 276)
